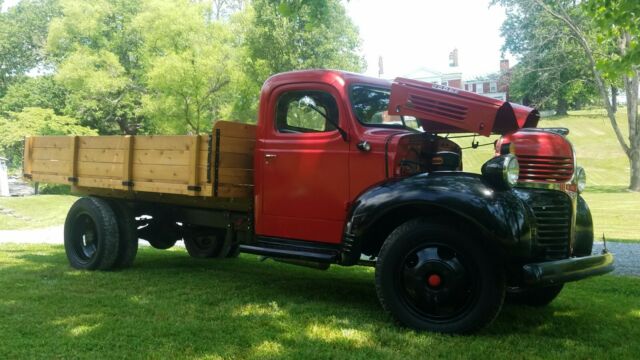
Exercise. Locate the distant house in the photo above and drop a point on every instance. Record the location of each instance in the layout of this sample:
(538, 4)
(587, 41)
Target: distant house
(494, 85)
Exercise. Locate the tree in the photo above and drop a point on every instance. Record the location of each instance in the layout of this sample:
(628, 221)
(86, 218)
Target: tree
(551, 72)
(616, 22)
(293, 35)
(40, 91)
(34, 121)
(23, 31)
(96, 52)
(188, 58)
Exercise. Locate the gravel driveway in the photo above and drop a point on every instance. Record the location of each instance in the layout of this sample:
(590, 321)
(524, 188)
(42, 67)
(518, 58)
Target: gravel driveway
(627, 254)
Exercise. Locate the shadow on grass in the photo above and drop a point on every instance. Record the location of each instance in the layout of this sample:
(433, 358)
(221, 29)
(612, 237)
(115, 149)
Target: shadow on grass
(170, 305)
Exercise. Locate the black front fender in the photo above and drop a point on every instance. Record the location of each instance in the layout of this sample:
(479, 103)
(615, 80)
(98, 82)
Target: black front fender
(499, 215)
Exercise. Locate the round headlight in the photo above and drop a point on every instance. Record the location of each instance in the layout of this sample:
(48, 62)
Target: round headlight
(502, 171)
(512, 170)
(581, 179)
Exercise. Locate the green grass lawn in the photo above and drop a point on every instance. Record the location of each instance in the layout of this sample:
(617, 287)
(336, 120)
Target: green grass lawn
(173, 306)
(34, 211)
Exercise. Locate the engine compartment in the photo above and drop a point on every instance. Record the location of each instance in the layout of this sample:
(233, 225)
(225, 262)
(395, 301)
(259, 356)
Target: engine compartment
(418, 153)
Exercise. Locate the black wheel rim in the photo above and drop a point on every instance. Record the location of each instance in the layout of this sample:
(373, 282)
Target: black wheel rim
(85, 237)
(205, 242)
(437, 282)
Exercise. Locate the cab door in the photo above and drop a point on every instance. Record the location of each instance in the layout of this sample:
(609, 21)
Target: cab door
(304, 165)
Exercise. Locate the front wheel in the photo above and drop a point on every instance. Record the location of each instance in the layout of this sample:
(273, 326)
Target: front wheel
(431, 277)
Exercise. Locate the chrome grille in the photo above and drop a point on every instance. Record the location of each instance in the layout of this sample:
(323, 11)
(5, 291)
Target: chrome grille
(545, 168)
(552, 211)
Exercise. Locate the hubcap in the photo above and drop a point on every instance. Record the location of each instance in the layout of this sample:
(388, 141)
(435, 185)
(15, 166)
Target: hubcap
(85, 237)
(436, 283)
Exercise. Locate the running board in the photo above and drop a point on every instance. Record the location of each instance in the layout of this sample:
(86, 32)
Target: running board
(289, 254)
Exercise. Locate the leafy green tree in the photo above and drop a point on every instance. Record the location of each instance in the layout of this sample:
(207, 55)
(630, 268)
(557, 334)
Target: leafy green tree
(608, 32)
(34, 121)
(23, 31)
(188, 58)
(96, 51)
(40, 91)
(551, 72)
(618, 24)
(294, 35)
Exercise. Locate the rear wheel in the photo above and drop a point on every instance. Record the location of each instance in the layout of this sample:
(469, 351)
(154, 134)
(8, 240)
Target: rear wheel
(537, 297)
(91, 238)
(161, 231)
(431, 277)
(127, 230)
(203, 244)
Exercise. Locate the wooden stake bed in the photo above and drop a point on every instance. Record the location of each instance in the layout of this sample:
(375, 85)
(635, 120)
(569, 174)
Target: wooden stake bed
(219, 165)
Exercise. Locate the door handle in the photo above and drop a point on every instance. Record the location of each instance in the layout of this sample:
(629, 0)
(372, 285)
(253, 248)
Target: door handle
(270, 156)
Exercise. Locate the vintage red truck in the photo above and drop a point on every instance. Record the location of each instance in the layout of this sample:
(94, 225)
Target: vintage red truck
(346, 169)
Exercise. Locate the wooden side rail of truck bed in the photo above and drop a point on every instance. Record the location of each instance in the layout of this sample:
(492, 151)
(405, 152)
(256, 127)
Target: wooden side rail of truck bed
(218, 165)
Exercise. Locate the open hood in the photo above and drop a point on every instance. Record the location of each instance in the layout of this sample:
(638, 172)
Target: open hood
(443, 109)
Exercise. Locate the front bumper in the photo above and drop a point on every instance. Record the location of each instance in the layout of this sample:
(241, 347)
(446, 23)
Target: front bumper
(562, 271)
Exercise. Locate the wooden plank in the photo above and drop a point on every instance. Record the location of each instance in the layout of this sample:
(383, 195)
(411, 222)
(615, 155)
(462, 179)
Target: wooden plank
(162, 187)
(91, 182)
(179, 142)
(236, 145)
(236, 160)
(51, 167)
(101, 155)
(100, 170)
(161, 173)
(50, 178)
(27, 158)
(235, 129)
(51, 154)
(235, 176)
(194, 154)
(51, 142)
(127, 161)
(161, 157)
(101, 142)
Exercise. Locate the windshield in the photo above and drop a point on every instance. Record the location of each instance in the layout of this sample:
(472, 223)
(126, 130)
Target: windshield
(370, 106)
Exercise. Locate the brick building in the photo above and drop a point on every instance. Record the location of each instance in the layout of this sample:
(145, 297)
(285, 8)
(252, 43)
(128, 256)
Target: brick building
(495, 85)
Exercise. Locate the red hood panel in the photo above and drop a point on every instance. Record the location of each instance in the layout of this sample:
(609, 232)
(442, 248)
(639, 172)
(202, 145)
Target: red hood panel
(442, 109)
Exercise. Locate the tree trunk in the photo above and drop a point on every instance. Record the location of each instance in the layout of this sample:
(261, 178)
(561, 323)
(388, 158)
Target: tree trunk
(562, 106)
(614, 98)
(634, 160)
(631, 84)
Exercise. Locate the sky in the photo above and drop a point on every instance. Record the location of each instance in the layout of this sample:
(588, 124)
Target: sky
(414, 34)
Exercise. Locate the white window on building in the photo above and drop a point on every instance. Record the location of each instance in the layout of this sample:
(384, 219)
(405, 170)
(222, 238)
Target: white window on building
(493, 87)
(479, 87)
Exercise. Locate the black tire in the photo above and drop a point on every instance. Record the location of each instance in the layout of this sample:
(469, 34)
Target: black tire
(91, 238)
(127, 226)
(537, 297)
(206, 243)
(431, 277)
